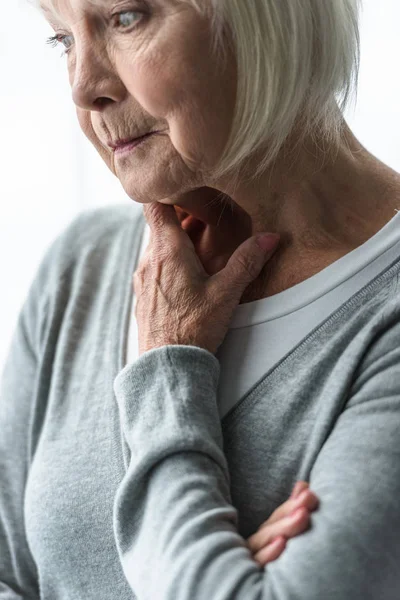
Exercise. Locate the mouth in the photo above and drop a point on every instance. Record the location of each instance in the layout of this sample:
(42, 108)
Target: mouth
(127, 146)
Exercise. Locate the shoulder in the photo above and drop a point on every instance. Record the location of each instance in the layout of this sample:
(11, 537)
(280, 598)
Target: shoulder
(110, 217)
(80, 251)
(377, 346)
(101, 223)
(95, 229)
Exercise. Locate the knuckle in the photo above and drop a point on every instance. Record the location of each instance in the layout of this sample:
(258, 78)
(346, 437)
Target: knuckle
(300, 513)
(248, 265)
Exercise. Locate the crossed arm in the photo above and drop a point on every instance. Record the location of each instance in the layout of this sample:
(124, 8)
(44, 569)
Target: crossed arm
(174, 524)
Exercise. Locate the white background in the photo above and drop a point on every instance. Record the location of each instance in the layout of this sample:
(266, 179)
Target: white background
(50, 172)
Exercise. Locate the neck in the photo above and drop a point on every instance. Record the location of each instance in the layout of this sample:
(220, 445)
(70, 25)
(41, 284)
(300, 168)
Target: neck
(321, 205)
(321, 208)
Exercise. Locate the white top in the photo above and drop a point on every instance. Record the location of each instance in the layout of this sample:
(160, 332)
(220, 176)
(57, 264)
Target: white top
(261, 333)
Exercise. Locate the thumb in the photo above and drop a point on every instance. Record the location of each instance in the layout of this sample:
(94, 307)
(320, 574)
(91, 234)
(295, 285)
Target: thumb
(246, 263)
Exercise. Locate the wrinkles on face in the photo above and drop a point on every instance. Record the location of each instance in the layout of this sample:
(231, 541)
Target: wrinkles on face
(158, 75)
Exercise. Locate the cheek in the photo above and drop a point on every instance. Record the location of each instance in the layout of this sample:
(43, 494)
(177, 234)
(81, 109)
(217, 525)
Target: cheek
(85, 123)
(153, 84)
(168, 90)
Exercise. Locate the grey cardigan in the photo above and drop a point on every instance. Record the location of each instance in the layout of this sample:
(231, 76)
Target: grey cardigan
(122, 482)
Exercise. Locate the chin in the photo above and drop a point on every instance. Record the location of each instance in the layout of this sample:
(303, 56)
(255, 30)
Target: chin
(157, 189)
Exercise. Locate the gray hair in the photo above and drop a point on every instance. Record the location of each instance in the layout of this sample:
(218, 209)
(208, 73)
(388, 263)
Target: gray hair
(297, 64)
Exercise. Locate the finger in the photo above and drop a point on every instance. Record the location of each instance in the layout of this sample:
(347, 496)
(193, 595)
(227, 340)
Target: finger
(244, 265)
(271, 552)
(307, 499)
(287, 507)
(288, 527)
(180, 213)
(163, 221)
(298, 488)
(206, 205)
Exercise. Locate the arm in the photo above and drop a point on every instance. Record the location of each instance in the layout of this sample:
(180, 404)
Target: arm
(174, 524)
(19, 383)
(18, 576)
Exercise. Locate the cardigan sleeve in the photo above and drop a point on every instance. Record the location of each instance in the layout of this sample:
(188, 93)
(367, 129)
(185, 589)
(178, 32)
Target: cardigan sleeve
(19, 390)
(176, 529)
(18, 571)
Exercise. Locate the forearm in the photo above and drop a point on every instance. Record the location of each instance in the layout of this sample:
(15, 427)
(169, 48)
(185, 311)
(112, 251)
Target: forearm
(175, 527)
(186, 515)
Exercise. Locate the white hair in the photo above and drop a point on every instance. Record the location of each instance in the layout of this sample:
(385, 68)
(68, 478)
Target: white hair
(297, 65)
(297, 68)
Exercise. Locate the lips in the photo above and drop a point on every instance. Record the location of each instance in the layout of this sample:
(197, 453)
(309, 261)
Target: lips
(124, 142)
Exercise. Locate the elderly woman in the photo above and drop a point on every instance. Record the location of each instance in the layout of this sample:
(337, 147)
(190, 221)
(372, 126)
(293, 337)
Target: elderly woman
(146, 437)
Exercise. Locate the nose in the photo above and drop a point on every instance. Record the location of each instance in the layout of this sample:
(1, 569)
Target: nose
(94, 80)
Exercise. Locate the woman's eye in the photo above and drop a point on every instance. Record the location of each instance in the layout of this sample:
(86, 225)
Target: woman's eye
(123, 20)
(64, 40)
(126, 19)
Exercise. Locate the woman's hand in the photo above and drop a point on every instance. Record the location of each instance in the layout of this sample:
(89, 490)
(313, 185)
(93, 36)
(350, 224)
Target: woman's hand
(178, 302)
(289, 520)
(217, 226)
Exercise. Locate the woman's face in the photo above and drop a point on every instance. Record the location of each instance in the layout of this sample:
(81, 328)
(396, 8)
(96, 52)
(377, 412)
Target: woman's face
(139, 66)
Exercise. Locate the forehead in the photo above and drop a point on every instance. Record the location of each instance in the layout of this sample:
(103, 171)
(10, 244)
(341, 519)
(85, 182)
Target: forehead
(65, 10)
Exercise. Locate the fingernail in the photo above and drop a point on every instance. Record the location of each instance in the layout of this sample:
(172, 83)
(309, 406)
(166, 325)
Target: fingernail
(267, 241)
